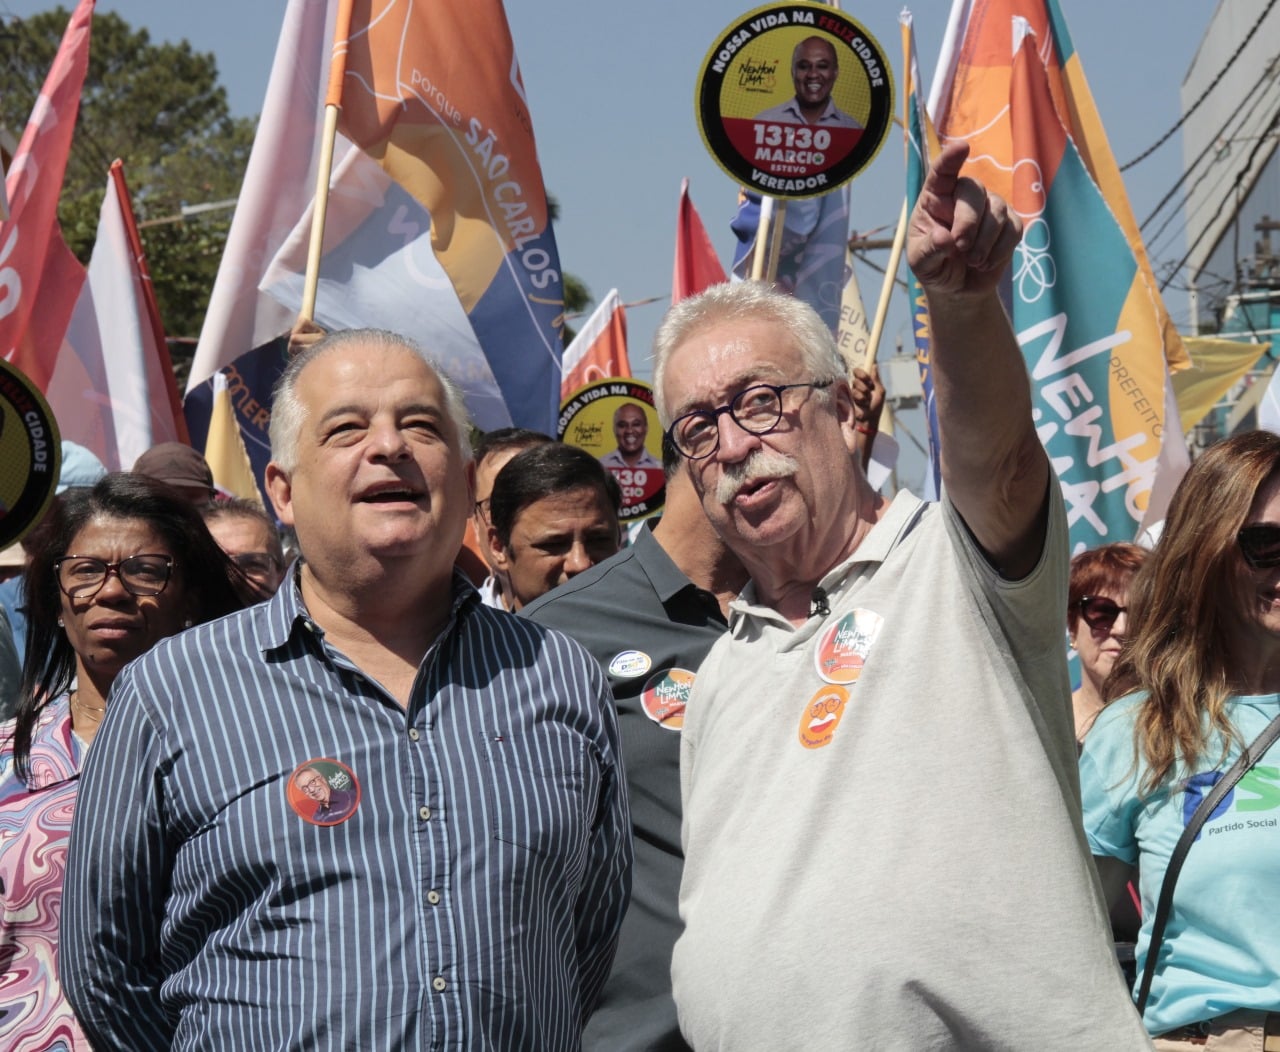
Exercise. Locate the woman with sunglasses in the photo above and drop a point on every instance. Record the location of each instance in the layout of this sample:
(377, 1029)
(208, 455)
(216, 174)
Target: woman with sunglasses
(1097, 618)
(1197, 680)
(117, 567)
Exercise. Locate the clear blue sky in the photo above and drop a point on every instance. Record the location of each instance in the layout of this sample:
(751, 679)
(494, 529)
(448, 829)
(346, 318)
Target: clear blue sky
(611, 91)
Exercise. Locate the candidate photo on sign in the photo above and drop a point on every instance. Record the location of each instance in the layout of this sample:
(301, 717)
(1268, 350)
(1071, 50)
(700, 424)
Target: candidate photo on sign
(814, 71)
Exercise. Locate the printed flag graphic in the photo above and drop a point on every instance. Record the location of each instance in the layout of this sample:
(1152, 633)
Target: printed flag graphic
(433, 93)
(1088, 318)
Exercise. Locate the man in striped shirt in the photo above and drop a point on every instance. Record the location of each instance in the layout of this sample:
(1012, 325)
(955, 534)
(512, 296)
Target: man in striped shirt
(469, 892)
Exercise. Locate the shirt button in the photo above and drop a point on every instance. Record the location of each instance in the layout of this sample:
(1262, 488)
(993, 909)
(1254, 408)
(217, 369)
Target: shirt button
(438, 984)
(413, 734)
(424, 813)
(433, 897)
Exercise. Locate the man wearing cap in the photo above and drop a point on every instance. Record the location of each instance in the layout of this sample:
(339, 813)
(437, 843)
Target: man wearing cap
(180, 467)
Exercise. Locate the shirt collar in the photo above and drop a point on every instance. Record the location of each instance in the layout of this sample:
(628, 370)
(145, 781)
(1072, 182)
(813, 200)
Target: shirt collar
(875, 548)
(667, 578)
(286, 611)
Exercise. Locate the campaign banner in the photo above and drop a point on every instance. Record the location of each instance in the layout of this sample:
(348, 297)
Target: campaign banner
(433, 94)
(794, 100)
(614, 420)
(1087, 318)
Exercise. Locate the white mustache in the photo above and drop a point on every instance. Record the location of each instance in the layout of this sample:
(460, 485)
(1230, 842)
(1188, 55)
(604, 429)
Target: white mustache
(762, 464)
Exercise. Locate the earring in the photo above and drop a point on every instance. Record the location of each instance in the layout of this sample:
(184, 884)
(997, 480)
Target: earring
(187, 623)
(60, 624)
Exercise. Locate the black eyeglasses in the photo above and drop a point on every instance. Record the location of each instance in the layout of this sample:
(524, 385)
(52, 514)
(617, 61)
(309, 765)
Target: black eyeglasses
(756, 409)
(1099, 612)
(256, 564)
(1260, 545)
(481, 508)
(82, 576)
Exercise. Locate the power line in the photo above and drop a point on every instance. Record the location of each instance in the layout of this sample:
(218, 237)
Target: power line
(1257, 97)
(1205, 94)
(1239, 180)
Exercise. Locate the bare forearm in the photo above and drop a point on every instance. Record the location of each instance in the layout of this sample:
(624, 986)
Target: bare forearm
(993, 466)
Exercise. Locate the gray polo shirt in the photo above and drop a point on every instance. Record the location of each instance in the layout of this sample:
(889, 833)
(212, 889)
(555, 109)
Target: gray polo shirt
(641, 618)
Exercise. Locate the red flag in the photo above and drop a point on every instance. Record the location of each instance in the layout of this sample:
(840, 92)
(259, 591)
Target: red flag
(697, 265)
(34, 260)
(599, 350)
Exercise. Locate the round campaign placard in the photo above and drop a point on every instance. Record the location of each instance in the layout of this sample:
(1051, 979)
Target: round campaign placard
(794, 99)
(30, 454)
(614, 420)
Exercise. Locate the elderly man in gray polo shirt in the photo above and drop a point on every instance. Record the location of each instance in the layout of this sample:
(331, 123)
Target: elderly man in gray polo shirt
(882, 831)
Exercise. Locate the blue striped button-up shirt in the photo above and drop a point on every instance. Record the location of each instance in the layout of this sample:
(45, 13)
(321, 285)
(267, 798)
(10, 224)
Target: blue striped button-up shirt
(467, 893)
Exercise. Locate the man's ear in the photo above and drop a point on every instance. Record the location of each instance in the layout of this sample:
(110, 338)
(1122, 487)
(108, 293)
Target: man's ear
(846, 413)
(280, 490)
(498, 552)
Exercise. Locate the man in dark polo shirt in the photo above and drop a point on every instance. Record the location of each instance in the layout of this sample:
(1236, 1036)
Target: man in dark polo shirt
(649, 615)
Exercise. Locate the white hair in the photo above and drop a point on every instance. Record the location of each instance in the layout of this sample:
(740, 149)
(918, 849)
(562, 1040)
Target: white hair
(743, 301)
(288, 414)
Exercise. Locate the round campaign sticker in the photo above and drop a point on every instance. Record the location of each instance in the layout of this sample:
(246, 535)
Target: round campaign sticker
(794, 99)
(843, 648)
(628, 664)
(614, 420)
(323, 792)
(665, 696)
(821, 716)
(30, 454)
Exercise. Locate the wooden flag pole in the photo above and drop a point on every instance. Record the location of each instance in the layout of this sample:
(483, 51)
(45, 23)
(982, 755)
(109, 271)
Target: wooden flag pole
(775, 239)
(886, 291)
(314, 248)
(324, 170)
(760, 254)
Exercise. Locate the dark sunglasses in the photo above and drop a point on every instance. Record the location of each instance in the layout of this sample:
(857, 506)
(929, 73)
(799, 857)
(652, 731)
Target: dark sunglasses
(1260, 545)
(1099, 612)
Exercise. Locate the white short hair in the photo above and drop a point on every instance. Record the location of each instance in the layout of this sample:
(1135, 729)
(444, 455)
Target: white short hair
(740, 301)
(288, 413)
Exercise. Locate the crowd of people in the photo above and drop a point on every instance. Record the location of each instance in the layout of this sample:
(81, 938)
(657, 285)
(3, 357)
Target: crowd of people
(431, 754)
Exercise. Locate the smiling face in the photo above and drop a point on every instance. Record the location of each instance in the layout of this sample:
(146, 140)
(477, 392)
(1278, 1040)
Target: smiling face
(379, 476)
(313, 785)
(630, 428)
(814, 70)
(112, 627)
(1257, 626)
(554, 539)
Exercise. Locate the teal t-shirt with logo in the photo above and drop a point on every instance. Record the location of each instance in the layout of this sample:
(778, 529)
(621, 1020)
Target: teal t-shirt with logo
(1221, 947)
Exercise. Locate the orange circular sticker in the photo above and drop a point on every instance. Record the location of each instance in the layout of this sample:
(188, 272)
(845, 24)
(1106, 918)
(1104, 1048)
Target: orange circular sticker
(665, 695)
(822, 716)
(323, 792)
(843, 648)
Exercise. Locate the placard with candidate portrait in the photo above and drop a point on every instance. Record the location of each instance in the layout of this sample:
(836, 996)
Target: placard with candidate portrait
(794, 99)
(614, 420)
(30, 454)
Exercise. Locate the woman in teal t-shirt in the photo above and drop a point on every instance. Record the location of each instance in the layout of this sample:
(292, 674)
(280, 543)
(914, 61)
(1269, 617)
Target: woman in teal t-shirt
(1199, 678)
